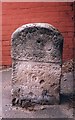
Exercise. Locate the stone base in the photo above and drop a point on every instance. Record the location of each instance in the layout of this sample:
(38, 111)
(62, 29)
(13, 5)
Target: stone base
(35, 83)
(28, 102)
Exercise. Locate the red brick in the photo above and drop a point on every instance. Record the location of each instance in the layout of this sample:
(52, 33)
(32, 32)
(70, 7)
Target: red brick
(5, 43)
(6, 48)
(7, 62)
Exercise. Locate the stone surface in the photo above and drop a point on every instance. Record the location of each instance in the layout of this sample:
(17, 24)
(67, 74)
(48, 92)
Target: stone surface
(37, 42)
(36, 81)
(37, 59)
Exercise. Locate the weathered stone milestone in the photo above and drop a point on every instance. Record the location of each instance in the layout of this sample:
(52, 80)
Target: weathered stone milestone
(36, 68)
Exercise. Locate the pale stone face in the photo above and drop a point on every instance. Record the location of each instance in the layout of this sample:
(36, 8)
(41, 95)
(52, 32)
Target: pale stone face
(37, 57)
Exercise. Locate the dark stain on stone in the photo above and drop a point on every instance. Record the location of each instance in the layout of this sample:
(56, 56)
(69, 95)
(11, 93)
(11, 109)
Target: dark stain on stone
(44, 99)
(44, 92)
(53, 84)
(15, 101)
(19, 90)
(25, 103)
(30, 93)
(38, 41)
(41, 81)
(38, 29)
(49, 49)
(39, 44)
(65, 79)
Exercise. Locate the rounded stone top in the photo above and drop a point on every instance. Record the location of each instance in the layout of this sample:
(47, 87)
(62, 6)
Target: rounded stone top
(39, 42)
(41, 25)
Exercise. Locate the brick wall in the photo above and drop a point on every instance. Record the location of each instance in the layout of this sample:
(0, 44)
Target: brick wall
(15, 14)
